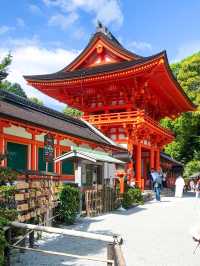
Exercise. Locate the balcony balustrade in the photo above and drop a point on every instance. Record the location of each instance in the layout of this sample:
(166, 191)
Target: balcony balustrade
(133, 117)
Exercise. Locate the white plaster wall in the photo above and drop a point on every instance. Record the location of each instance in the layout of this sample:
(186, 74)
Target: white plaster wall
(40, 137)
(67, 142)
(17, 131)
(99, 149)
(85, 146)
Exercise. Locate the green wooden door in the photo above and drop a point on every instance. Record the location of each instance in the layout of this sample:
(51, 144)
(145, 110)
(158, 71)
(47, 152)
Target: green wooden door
(42, 163)
(18, 156)
(68, 167)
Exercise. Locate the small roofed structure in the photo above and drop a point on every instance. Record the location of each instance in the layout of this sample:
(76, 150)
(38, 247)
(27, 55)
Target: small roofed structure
(171, 167)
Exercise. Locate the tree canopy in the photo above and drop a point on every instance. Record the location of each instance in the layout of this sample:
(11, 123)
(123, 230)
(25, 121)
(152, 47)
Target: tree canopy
(36, 100)
(186, 147)
(72, 112)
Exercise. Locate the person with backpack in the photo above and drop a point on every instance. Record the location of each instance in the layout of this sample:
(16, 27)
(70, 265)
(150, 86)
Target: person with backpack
(157, 183)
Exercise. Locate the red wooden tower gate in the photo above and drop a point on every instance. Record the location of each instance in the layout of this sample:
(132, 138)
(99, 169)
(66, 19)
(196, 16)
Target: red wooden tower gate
(123, 94)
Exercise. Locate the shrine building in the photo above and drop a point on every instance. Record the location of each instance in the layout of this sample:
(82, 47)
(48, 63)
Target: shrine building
(122, 94)
(23, 127)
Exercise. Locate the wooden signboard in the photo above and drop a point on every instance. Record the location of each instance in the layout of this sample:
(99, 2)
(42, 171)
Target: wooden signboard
(48, 148)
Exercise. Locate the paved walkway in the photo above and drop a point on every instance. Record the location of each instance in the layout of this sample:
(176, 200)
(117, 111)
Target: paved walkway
(155, 234)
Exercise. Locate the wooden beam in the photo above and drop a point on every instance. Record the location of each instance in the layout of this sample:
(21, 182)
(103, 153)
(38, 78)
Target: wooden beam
(64, 254)
(48, 229)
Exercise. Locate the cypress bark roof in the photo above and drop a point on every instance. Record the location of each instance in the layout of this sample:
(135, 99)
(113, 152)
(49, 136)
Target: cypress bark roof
(64, 75)
(21, 109)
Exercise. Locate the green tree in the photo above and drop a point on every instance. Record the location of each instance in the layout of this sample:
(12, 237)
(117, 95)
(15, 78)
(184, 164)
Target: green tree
(186, 147)
(6, 85)
(13, 88)
(4, 64)
(36, 100)
(72, 112)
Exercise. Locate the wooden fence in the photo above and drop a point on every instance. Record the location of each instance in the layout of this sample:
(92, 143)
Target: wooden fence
(97, 201)
(34, 196)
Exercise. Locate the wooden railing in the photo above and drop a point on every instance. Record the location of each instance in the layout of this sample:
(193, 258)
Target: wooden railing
(135, 117)
(115, 255)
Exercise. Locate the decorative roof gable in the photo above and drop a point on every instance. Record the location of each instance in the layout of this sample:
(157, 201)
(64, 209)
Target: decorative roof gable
(103, 48)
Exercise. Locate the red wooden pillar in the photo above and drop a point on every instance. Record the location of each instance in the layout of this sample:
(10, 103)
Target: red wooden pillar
(33, 153)
(138, 165)
(130, 164)
(2, 148)
(57, 166)
(157, 159)
(152, 158)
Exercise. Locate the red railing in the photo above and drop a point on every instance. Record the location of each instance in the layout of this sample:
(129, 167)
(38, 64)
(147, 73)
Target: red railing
(135, 117)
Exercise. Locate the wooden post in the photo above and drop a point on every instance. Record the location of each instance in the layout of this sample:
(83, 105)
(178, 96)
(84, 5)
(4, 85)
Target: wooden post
(110, 253)
(8, 236)
(152, 158)
(33, 153)
(157, 159)
(118, 255)
(138, 164)
(78, 179)
(31, 239)
(2, 145)
(23, 242)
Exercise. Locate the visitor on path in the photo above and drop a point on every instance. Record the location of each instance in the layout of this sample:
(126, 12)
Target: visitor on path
(164, 180)
(179, 184)
(157, 183)
(197, 188)
(192, 185)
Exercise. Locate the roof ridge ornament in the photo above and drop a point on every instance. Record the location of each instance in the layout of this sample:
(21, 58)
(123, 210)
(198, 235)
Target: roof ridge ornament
(103, 29)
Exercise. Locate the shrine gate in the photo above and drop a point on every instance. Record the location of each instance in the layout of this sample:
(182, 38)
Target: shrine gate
(123, 94)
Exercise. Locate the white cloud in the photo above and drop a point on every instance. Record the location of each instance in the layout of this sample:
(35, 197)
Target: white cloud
(33, 59)
(107, 11)
(142, 46)
(35, 9)
(5, 29)
(20, 22)
(187, 49)
(63, 21)
(78, 33)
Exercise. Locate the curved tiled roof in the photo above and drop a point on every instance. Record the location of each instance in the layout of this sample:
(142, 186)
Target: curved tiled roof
(63, 75)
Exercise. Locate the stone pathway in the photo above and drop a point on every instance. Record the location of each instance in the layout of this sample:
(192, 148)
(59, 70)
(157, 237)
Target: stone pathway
(155, 234)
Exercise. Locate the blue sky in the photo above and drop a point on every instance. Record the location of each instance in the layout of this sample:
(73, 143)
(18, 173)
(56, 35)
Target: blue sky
(45, 35)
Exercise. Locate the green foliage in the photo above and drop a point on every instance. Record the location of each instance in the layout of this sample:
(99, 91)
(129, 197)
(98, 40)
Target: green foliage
(13, 88)
(132, 196)
(7, 175)
(191, 168)
(6, 215)
(5, 62)
(36, 100)
(72, 112)
(186, 147)
(6, 85)
(69, 203)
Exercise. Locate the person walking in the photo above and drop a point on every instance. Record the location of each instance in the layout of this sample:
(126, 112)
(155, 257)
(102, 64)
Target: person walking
(179, 186)
(192, 185)
(157, 183)
(197, 188)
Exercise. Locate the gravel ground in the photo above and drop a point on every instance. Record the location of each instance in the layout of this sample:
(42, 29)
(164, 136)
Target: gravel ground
(155, 234)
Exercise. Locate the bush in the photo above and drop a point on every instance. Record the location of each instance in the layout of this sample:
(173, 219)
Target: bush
(131, 196)
(69, 203)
